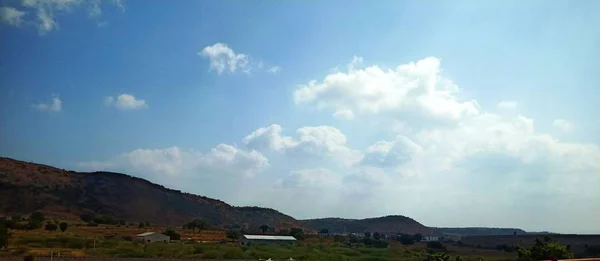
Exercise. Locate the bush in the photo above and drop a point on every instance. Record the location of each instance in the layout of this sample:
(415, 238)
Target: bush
(51, 227)
(63, 226)
(545, 249)
(172, 234)
(127, 238)
(436, 245)
(28, 258)
(211, 254)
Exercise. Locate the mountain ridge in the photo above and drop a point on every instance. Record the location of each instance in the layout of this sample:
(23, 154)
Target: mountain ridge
(26, 187)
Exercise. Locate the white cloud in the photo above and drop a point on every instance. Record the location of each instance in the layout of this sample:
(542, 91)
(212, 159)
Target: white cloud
(493, 163)
(274, 69)
(410, 88)
(310, 145)
(563, 125)
(125, 102)
(43, 13)
(11, 16)
(344, 114)
(509, 105)
(222, 58)
(55, 106)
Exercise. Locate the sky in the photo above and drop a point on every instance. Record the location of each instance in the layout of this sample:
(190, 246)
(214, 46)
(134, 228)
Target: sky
(454, 113)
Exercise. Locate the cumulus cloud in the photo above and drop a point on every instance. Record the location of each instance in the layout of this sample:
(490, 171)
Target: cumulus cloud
(43, 13)
(310, 144)
(409, 88)
(563, 125)
(222, 58)
(509, 105)
(11, 16)
(483, 168)
(274, 69)
(54, 106)
(125, 102)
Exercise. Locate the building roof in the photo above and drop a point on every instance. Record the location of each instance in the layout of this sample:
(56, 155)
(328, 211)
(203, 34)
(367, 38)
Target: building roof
(264, 237)
(146, 234)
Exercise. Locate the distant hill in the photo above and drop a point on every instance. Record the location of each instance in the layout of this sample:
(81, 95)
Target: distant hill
(387, 224)
(479, 231)
(27, 187)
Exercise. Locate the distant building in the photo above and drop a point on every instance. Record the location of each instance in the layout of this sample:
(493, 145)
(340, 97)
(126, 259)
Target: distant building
(248, 240)
(151, 237)
(430, 239)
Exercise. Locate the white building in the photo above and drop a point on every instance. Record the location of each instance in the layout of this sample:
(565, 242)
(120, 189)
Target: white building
(430, 238)
(151, 237)
(248, 240)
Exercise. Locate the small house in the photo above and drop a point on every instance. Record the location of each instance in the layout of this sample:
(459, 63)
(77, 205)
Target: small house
(248, 240)
(151, 237)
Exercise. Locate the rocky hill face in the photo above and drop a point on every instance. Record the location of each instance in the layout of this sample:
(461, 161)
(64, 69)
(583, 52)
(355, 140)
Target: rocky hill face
(387, 225)
(27, 187)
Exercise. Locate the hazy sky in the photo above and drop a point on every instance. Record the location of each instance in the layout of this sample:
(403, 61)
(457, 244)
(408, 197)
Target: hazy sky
(454, 113)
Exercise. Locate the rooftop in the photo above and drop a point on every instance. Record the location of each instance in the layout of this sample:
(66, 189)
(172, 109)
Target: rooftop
(145, 234)
(264, 237)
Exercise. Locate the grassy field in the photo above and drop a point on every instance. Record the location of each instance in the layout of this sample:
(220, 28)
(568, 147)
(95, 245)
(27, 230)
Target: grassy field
(113, 241)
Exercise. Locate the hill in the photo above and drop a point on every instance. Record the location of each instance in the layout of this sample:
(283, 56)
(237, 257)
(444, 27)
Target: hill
(28, 187)
(479, 231)
(387, 224)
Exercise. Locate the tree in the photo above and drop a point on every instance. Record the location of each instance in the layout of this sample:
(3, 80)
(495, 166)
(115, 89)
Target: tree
(417, 237)
(197, 224)
(16, 218)
(172, 234)
(440, 256)
(3, 235)
(436, 245)
(545, 249)
(147, 223)
(121, 222)
(63, 226)
(324, 231)
(37, 216)
(376, 236)
(264, 228)
(86, 217)
(33, 224)
(297, 233)
(407, 239)
(142, 225)
(233, 234)
(51, 227)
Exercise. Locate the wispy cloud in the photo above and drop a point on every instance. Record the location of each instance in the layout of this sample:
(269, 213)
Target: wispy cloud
(43, 13)
(125, 102)
(563, 125)
(54, 106)
(509, 105)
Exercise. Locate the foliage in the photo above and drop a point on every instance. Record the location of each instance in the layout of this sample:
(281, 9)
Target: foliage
(233, 234)
(172, 234)
(298, 233)
(16, 218)
(63, 226)
(51, 227)
(544, 249)
(198, 224)
(37, 216)
(436, 245)
(417, 237)
(3, 235)
(142, 225)
(33, 224)
(264, 228)
(439, 256)
(86, 217)
(28, 258)
(376, 236)
(407, 239)
(367, 234)
(324, 231)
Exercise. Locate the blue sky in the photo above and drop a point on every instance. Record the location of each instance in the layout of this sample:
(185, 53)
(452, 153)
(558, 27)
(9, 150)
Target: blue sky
(483, 111)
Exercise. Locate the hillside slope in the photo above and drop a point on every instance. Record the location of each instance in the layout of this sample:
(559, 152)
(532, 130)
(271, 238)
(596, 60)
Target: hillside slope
(27, 187)
(387, 224)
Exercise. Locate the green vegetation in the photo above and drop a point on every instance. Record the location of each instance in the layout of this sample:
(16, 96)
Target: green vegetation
(172, 234)
(233, 234)
(51, 227)
(3, 235)
(63, 226)
(544, 250)
(197, 224)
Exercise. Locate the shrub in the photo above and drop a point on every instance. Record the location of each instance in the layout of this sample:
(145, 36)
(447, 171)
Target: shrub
(211, 254)
(28, 258)
(172, 234)
(436, 245)
(51, 227)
